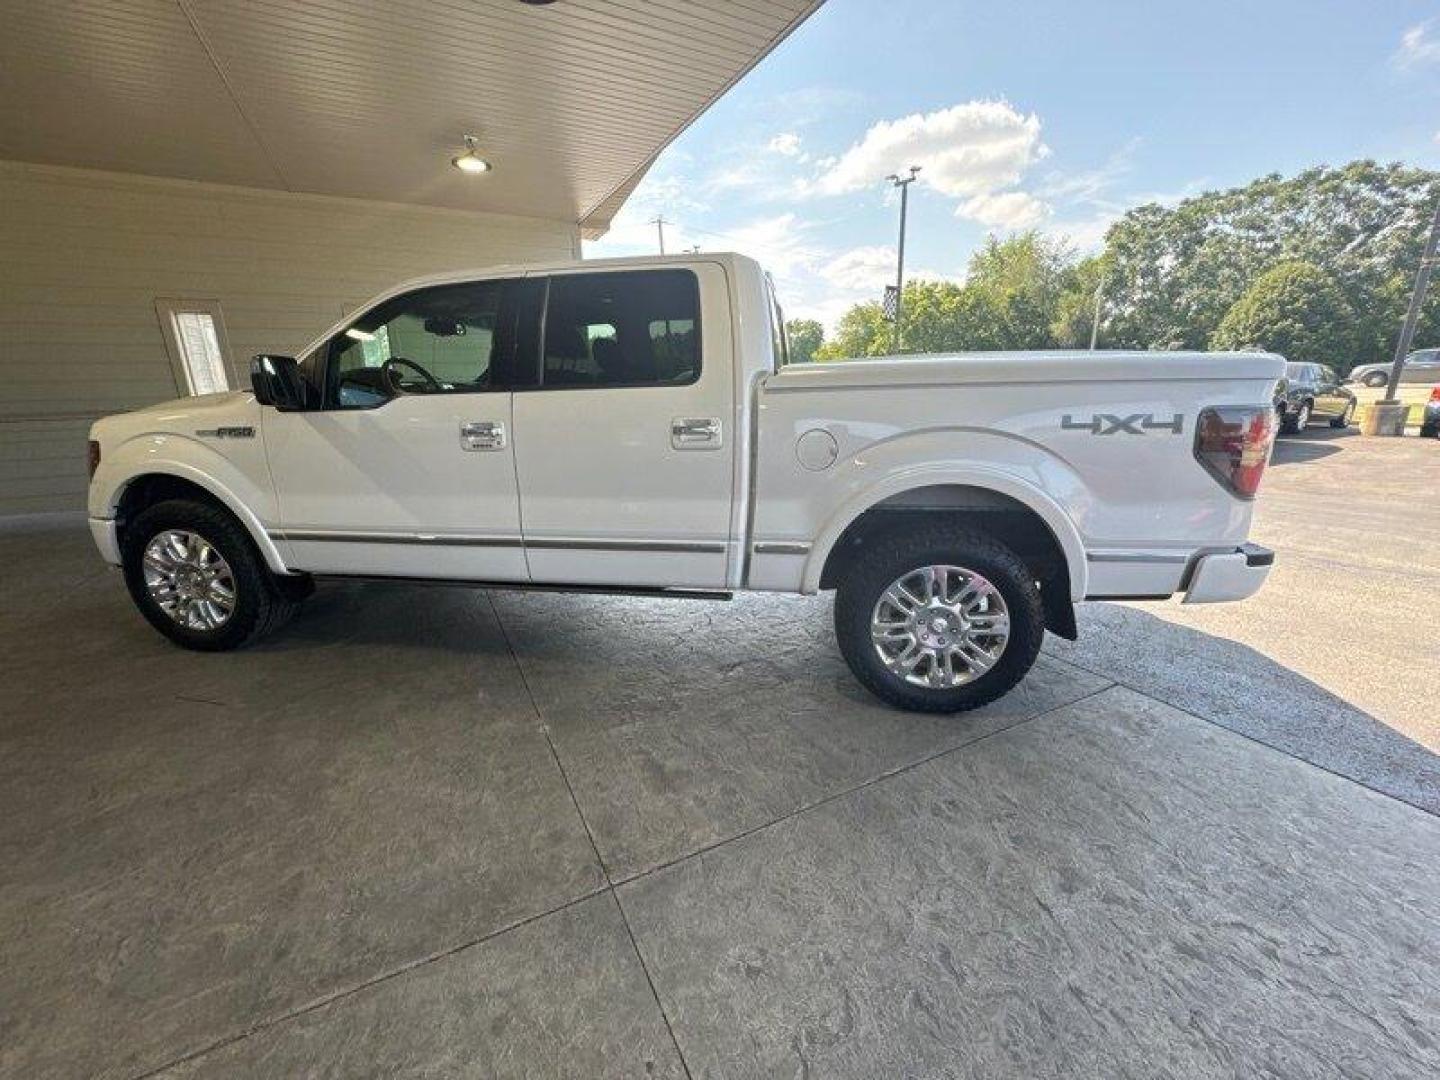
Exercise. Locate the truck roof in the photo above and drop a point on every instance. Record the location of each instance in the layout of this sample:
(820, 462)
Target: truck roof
(632, 262)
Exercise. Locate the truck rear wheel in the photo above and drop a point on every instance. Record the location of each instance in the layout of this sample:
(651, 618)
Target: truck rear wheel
(938, 620)
(196, 577)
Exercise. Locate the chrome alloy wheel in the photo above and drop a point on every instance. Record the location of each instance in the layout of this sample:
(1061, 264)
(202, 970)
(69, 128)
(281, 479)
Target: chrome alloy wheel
(189, 580)
(940, 626)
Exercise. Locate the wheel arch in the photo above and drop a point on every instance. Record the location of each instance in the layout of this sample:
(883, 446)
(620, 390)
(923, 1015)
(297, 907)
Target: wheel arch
(993, 501)
(175, 480)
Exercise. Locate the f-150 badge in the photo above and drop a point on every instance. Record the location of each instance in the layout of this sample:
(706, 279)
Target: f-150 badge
(226, 433)
(1134, 424)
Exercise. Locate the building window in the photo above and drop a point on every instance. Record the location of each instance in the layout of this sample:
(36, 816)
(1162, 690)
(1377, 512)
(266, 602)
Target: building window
(195, 340)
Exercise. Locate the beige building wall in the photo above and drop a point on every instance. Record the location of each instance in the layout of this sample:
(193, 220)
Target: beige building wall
(84, 256)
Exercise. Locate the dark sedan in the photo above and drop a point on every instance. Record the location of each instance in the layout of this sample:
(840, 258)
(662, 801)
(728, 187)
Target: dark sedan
(1312, 392)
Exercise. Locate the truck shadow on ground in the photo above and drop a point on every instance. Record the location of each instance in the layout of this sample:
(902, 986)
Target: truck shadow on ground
(607, 658)
(1312, 444)
(601, 655)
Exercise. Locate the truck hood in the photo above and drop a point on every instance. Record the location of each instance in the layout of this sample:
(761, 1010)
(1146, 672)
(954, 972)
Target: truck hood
(182, 416)
(203, 403)
(941, 369)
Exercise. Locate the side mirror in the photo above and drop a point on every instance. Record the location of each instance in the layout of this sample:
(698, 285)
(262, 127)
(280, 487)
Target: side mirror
(277, 381)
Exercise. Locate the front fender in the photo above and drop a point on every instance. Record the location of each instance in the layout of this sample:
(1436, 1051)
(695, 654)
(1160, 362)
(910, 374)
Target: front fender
(237, 482)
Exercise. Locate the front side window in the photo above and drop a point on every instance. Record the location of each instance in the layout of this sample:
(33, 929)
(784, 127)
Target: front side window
(630, 328)
(442, 340)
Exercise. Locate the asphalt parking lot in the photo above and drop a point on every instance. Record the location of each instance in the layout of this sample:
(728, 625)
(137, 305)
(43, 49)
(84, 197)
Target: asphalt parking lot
(436, 831)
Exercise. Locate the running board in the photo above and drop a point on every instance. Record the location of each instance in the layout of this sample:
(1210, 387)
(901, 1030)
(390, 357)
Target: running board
(537, 586)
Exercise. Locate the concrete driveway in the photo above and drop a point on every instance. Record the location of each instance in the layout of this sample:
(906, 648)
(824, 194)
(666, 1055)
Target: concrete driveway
(433, 831)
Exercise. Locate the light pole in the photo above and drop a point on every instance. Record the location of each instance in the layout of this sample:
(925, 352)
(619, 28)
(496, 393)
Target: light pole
(1095, 323)
(1412, 316)
(903, 183)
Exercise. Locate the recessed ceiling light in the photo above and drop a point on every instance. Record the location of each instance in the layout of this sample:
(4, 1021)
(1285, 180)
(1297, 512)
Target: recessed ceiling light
(470, 161)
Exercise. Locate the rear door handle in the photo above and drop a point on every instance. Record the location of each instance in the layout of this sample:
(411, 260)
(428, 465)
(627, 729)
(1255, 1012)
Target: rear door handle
(482, 435)
(695, 433)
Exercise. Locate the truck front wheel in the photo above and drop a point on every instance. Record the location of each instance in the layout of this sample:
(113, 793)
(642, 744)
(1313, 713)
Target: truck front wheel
(938, 620)
(196, 577)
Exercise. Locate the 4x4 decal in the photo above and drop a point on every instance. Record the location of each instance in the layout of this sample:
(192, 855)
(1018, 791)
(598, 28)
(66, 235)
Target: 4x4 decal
(1134, 424)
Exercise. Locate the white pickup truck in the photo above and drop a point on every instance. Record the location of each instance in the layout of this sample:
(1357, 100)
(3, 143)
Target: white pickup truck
(632, 426)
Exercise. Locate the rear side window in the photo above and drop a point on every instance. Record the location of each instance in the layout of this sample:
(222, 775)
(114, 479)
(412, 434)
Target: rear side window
(630, 328)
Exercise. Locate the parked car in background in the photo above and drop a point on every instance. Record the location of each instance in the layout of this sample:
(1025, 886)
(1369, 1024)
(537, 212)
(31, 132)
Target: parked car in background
(1421, 366)
(1312, 392)
(1430, 418)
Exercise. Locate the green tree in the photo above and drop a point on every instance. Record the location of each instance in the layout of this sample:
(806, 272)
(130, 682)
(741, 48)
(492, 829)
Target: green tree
(1075, 309)
(1009, 300)
(1294, 309)
(1177, 272)
(1014, 288)
(862, 331)
(805, 336)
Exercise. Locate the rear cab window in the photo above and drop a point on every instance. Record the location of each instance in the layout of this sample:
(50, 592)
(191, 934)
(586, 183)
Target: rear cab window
(622, 328)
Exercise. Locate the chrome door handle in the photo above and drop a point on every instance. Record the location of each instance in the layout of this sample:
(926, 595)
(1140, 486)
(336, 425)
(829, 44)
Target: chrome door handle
(695, 433)
(482, 435)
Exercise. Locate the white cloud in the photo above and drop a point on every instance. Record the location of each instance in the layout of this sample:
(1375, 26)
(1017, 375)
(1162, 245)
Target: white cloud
(1086, 235)
(1419, 46)
(861, 268)
(1090, 185)
(1006, 210)
(976, 148)
(787, 144)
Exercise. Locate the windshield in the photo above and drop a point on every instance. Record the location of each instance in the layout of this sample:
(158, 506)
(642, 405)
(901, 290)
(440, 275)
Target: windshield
(1294, 371)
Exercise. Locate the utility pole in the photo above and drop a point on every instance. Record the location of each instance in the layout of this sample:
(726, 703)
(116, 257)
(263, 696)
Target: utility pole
(1095, 323)
(1412, 316)
(659, 224)
(903, 183)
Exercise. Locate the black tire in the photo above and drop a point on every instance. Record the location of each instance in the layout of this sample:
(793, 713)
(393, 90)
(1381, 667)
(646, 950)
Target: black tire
(1429, 431)
(262, 603)
(1343, 420)
(884, 560)
(1292, 424)
(1375, 378)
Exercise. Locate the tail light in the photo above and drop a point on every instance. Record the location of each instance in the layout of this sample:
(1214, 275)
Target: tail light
(1233, 443)
(1435, 394)
(94, 457)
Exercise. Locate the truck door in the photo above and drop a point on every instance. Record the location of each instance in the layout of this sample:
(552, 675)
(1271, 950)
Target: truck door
(624, 442)
(406, 467)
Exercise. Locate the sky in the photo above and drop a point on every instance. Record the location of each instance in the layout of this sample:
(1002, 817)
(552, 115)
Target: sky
(1049, 114)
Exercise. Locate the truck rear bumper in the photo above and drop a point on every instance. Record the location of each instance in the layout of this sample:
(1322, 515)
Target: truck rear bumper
(107, 539)
(1228, 575)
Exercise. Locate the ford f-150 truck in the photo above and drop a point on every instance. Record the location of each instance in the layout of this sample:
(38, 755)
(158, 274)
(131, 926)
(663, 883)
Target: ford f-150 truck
(632, 426)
